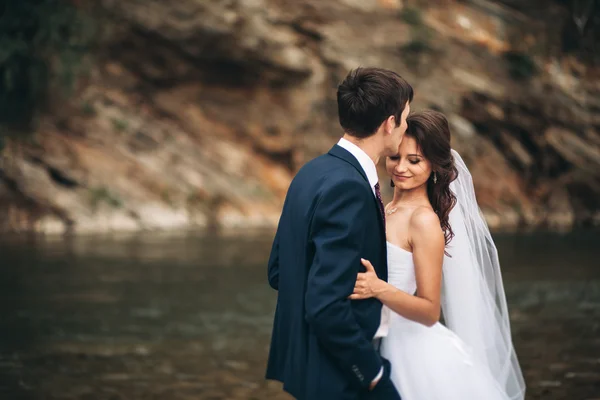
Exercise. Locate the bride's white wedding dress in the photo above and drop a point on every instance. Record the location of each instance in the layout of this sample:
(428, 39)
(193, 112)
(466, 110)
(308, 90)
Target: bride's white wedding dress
(431, 363)
(472, 357)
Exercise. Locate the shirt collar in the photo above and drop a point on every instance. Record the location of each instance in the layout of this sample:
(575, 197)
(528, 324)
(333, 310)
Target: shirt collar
(363, 159)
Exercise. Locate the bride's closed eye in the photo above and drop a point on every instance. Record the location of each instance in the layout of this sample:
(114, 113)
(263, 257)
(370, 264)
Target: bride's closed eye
(394, 158)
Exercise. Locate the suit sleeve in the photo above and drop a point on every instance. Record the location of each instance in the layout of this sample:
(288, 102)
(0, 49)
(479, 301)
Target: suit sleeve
(338, 231)
(273, 269)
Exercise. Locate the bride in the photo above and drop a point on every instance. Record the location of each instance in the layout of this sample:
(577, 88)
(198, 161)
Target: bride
(441, 256)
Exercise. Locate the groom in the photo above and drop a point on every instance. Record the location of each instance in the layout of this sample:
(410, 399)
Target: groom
(325, 346)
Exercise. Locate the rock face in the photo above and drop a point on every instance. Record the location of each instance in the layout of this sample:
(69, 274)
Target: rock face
(198, 113)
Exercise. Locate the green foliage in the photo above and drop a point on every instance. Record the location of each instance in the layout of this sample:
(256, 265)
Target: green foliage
(419, 49)
(88, 109)
(411, 16)
(42, 46)
(520, 65)
(416, 52)
(166, 197)
(103, 195)
(119, 124)
(416, 47)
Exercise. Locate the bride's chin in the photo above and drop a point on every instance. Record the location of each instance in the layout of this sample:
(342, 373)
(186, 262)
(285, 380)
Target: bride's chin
(403, 185)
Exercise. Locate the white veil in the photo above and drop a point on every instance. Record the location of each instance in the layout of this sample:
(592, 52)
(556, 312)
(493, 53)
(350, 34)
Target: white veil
(473, 299)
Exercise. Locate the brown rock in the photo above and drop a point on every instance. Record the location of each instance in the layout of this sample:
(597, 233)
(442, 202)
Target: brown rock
(199, 113)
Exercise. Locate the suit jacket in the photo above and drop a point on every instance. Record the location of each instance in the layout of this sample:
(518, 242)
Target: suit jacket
(321, 347)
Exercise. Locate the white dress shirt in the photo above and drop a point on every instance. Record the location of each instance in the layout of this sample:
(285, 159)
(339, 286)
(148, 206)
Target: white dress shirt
(363, 159)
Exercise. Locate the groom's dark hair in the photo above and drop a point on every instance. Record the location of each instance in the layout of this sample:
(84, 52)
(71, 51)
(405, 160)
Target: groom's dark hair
(368, 96)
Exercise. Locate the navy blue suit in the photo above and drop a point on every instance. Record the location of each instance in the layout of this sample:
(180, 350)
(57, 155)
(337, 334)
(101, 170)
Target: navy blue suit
(321, 348)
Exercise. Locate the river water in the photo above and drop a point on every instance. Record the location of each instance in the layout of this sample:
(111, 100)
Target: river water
(159, 316)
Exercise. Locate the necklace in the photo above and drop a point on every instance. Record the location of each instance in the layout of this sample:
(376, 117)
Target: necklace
(391, 211)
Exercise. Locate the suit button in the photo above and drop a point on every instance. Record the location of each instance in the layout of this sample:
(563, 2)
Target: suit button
(357, 373)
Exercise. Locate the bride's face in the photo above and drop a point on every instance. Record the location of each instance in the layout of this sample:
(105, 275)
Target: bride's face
(408, 169)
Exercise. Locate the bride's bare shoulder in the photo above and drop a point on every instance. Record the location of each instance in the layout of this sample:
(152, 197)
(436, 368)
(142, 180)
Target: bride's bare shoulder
(424, 217)
(424, 222)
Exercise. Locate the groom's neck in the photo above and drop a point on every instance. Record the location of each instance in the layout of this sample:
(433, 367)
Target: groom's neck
(370, 145)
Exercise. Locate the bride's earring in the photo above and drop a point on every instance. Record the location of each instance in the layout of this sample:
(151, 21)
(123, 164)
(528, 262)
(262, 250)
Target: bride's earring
(434, 177)
(392, 183)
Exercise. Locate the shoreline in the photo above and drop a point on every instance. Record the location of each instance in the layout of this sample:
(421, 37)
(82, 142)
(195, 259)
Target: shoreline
(250, 230)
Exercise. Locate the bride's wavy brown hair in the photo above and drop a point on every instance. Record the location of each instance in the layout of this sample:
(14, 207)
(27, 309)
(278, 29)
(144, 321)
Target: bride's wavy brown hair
(431, 131)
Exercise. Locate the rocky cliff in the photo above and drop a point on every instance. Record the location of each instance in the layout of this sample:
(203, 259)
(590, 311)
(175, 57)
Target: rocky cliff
(198, 113)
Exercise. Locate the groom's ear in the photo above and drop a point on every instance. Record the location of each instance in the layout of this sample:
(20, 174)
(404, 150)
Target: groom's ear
(389, 124)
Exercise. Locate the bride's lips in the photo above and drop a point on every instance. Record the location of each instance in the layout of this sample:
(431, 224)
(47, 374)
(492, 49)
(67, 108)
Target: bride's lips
(401, 177)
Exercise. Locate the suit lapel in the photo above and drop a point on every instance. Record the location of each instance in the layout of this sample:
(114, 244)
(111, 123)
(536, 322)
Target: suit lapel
(340, 152)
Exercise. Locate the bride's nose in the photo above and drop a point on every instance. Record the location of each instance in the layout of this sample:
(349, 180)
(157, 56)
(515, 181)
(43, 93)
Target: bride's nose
(401, 166)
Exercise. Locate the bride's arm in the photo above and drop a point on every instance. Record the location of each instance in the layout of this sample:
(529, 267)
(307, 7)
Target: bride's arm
(428, 253)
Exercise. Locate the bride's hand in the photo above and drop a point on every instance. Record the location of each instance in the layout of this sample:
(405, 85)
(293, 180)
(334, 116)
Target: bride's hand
(367, 283)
